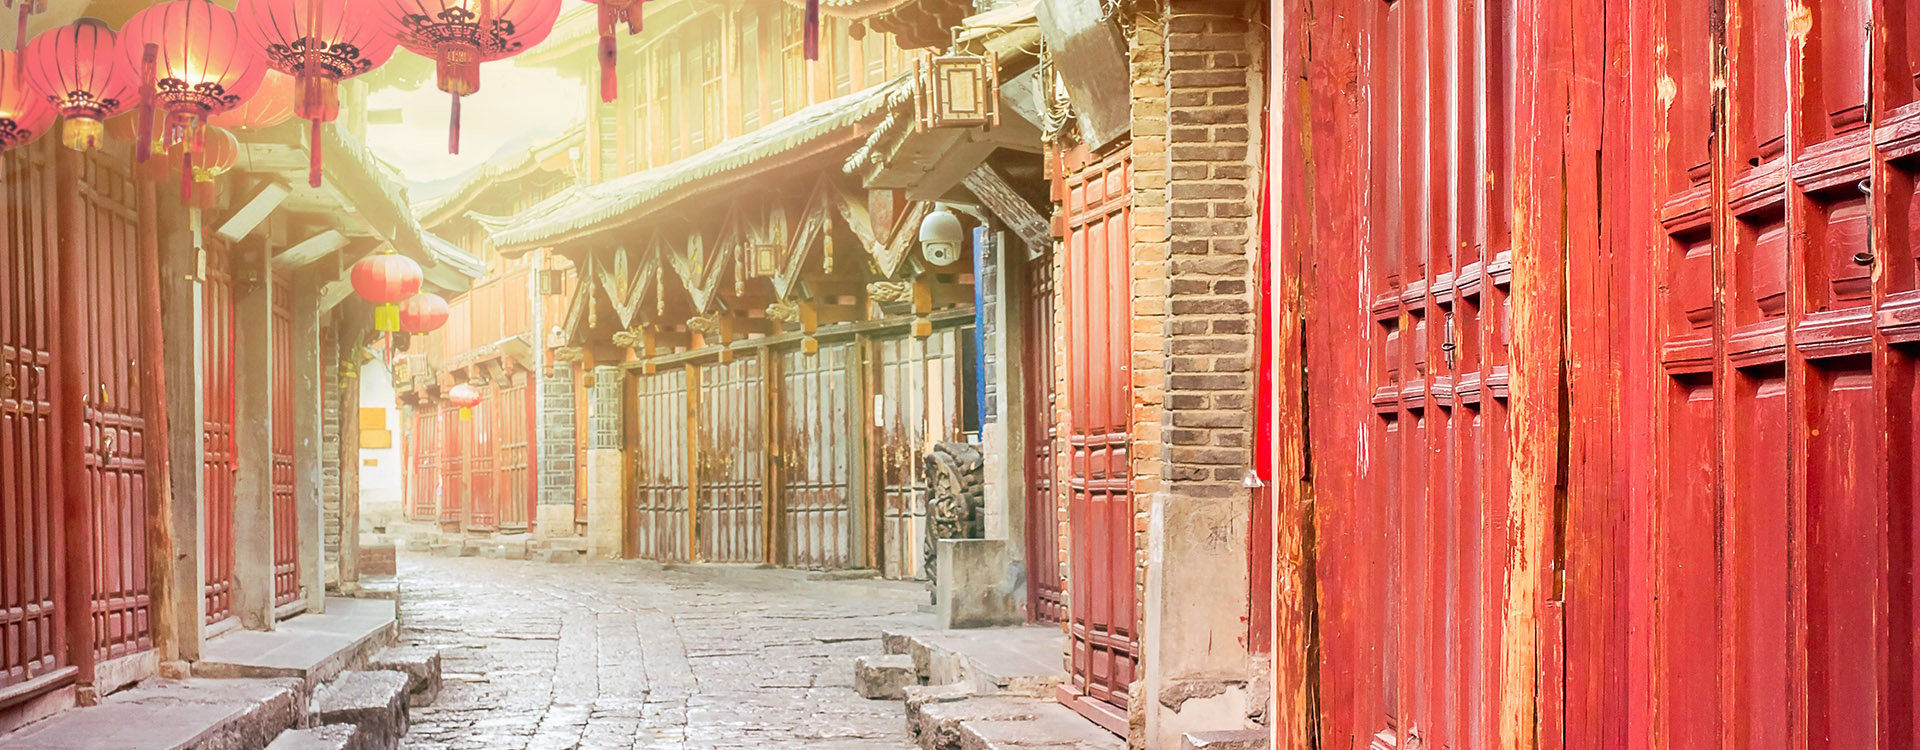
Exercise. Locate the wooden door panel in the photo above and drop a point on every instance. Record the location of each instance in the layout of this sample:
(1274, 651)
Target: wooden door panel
(1046, 593)
(286, 519)
(483, 462)
(661, 521)
(221, 458)
(732, 461)
(819, 528)
(455, 434)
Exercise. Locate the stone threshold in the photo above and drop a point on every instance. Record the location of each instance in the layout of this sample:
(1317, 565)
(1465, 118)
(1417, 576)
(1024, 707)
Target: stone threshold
(312, 648)
(173, 715)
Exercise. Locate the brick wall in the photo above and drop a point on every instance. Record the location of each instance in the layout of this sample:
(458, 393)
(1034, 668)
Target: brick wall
(557, 436)
(330, 451)
(603, 418)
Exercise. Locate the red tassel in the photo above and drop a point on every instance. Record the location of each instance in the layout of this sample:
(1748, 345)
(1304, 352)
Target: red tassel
(812, 29)
(453, 134)
(186, 174)
(20, 36)
(609, 72)
(313, 159)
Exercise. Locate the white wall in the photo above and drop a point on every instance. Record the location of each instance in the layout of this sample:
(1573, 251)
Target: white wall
(382, 488)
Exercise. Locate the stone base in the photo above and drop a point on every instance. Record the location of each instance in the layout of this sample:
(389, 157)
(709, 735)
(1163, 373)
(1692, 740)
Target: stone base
(973, 587)
(555, 522)
(883, 677)
(420, 664)
(1243, 739)
(375, 701)
(328, 737)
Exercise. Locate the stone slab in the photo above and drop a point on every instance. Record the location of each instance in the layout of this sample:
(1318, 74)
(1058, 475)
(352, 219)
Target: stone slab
(236, 714)
(1052, 727)
(936, 725)
(1022, 660)
(883, 677)
(311, 647)
(374, 700)
(1238, 739)
(421, 665)
(326, 737)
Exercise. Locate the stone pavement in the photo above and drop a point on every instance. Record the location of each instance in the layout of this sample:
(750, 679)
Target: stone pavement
(630, 655)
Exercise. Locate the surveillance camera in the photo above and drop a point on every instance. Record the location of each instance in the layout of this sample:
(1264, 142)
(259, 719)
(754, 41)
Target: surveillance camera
(942, 238)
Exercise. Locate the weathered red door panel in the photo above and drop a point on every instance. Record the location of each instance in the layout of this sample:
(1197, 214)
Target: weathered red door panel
(514, 453)
(819, 526)
(660, 526)
(732, 446)
(424, 442)
(286, 519)
(454, 442)
(483, 460)
(221, 457)
(1046, 594)
(1102, 615)
(32, 599)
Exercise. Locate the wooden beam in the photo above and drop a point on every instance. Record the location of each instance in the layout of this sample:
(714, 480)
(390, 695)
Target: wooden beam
(254, 211)
(1005, 203)
(309, 250)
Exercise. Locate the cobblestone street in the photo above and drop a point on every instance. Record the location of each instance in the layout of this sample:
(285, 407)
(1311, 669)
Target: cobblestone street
(628, 655)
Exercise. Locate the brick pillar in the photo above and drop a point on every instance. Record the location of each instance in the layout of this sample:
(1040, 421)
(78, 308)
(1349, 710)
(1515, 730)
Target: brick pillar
(253, 427)
(1196, 113)
(556, 453)
(606, 496)
(330, 454)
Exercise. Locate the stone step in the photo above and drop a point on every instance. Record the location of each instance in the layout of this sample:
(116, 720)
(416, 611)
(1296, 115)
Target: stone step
(375, 701)
(936, 724)
(421, 665)
(1052, 726)
(564, 550)
(170, 715)
(325, 737)
(884, 677)
(314, 647)
(1235, 739)
(895, 643)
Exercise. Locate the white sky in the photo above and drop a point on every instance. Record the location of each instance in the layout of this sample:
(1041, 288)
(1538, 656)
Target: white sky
(514, 105)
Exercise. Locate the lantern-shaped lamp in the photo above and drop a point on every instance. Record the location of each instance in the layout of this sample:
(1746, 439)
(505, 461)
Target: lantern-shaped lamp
(461, 34)
(270, 106)
(24, 114)
(386, 279)
(78, 70)
(320, 43)
(466, 397)
(958, 91)
(193, 55)
(614, 14)
(425, 312)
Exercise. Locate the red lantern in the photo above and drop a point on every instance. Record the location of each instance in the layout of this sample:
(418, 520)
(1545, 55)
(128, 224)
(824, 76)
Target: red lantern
(461, 34)
(270, 106)
(466, 397)
(24, 114)
(320, 43)
(613, 13)
(219, 152)
(77, 69)
(425, 312)
(193, 55)
(128, 128)
(386, 279)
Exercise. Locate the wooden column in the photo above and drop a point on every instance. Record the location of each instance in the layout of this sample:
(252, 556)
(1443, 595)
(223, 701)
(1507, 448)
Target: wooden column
(307, 471)
(161, 551)
(70, 411)
(253, 432)
(182, 279)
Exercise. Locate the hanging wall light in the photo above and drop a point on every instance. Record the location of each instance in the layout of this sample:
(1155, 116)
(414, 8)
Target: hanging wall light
(24, 114)
(459, 35)
(78, 70)
(320, 43)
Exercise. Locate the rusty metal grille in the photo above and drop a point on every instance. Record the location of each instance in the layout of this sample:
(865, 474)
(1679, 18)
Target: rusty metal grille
(30, 522)
(732, 461)
(286, 519)
(660, 526)
(817, 444)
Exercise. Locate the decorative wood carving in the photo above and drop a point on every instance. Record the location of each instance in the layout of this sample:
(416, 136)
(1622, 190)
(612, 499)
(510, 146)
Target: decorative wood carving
(1010, 207)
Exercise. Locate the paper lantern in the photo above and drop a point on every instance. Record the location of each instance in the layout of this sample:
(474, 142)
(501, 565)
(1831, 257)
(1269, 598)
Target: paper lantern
(613, 14)
(459, 35)
(386, 279)
(466, 397)
(425, 312)
(77, 68)
(192, 54)
(219, 152)
(24, 114)
(270, 106)
(320, 43)
(127, 129)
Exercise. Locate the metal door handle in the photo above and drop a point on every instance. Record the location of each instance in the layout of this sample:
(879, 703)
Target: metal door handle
(106, 450)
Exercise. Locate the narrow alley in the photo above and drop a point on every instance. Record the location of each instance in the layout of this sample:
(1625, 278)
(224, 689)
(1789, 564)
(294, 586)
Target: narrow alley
(631, 654)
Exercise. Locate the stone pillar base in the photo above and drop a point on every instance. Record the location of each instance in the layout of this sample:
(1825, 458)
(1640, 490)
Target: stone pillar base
(606, 506)
(554, 522)
(974, 584)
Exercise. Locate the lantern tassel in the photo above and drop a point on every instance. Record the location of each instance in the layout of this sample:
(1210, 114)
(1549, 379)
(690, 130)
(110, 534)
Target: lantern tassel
(812, 30)
(609, 54)
(186, 174)
(313, 156)
(148, 62)
(453, 133)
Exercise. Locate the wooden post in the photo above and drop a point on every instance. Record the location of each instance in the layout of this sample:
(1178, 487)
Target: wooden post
(253, 430)
(70, 409)
(159, 443)
(350, 350)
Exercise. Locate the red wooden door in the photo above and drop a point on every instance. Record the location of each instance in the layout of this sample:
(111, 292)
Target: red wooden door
(819, 528)
(32, 599)
(286, 518)
(1102, 617)
(424, 489)
(453, 467)
(221, 460)
(116, 416)
(483, 458)
(919, 402)
(515, 450)
(731, 469)
(660, 526)
(1046, 594)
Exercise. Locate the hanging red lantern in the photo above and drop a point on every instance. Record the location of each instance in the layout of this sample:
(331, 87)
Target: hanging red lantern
(466, 397)
(320, 43)
(219, 152)
(386, 279)
(461, 34)
(810, 31)
(425, 312)
(127, 130)
(270, 106)
(24, 114)
(614, 13)
(193, 56)
(79, 72)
